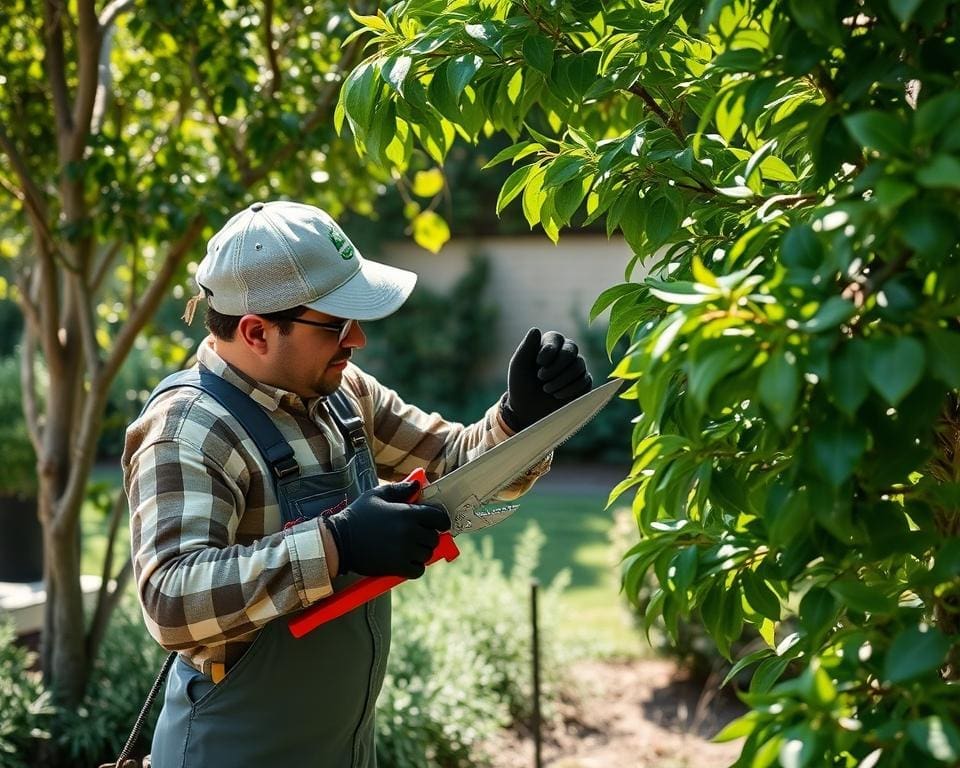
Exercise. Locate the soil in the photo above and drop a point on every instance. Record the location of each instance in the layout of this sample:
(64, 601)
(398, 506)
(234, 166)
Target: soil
(629, 714)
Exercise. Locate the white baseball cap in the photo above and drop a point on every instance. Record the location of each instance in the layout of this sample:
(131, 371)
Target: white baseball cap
(279, 255)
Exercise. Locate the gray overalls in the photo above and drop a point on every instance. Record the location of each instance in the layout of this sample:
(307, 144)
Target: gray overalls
(307, 702)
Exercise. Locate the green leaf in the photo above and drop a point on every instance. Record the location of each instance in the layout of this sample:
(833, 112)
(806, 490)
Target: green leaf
(487, 33)
(361, 93)
(801, 248)
(514, 152)
(462, 71)
(721, 361)
(942, 172)
(837, 448)
(430, 231)
(562, 170)
(759, 595)
(904, 9)
(611, 295)
(937, 737)
(779, 387)
(662, 220)
(514, 184)
(799, 747)
(848, 386)
(878, 130)
(428, 183)
(742, 726)
(818, 612)
(943, 355)
(915, 652)
(395, 71)
(894, 365)
(538, 53)
(861, 597)
(832, 312)
(769, 672)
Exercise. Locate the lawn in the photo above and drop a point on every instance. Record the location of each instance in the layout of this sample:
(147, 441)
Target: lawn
(577, 531)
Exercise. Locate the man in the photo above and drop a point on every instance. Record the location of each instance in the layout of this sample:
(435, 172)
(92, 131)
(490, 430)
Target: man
(250, 502)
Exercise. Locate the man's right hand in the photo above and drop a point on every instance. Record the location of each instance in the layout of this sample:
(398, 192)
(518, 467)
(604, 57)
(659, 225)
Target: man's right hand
(382, 534)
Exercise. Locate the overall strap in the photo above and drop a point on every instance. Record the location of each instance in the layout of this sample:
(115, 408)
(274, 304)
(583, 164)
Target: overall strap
(274, 448)
(350, 424)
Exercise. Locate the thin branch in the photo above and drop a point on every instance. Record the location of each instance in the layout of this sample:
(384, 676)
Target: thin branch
(229, 140)
(89, 42)
(96, 397)
(671, 122)
(105, 607)
(101, 615)
(56, 67)
(29, 192)
(271, 45)
(320, 114)
(103, 268)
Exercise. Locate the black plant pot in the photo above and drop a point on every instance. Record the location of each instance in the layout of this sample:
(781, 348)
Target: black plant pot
(21, 540)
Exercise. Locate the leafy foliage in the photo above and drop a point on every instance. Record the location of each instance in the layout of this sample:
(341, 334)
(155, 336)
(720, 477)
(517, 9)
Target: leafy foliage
(438, 371)
(459, 665)
(24, 706)
(786, 172)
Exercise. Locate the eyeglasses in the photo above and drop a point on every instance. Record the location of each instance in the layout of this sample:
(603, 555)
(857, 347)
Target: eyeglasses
(342, 329)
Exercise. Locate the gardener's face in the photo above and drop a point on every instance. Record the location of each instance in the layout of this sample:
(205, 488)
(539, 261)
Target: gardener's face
(310, 360)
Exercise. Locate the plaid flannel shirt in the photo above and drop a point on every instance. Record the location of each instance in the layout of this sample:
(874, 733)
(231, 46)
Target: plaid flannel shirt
(211, 559)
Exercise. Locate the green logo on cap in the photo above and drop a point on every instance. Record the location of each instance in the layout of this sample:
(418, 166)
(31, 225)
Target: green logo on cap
(343, 246)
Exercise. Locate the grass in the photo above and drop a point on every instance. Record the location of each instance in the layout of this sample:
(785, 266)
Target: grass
(576, 527)
(577, 530)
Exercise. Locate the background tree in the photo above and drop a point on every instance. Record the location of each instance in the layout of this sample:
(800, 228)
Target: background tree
(125, 139)
(788, 173)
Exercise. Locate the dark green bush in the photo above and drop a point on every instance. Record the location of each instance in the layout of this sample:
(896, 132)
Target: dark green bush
(433, 348)
(460, 664)
(24, 707)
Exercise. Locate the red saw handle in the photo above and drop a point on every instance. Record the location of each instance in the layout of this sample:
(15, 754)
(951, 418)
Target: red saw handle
(369, 587)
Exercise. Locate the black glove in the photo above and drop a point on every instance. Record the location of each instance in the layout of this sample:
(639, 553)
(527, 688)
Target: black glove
(544, 373)
(380, 534)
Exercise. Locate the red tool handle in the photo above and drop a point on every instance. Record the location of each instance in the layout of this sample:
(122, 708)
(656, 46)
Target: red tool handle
(369, 587)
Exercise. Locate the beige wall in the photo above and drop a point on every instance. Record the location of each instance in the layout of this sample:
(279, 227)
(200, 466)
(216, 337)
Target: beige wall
(532, 281)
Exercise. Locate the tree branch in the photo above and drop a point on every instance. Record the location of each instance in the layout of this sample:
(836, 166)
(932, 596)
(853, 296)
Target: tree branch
(56, 68)
(229, 140)
(320, 114)
(100, 270)
(89, 42)
(669, 121)
(92, 412)
(29, 192)
(271, 46)
(105, 598)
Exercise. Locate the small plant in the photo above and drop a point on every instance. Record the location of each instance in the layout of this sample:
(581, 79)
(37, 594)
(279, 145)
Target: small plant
(460, 664)
(24, 705)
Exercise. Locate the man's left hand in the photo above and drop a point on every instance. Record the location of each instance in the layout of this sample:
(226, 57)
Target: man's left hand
(544, 373)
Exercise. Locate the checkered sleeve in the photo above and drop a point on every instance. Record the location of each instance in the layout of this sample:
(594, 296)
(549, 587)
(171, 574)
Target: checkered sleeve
(197, 585)
(404, 437)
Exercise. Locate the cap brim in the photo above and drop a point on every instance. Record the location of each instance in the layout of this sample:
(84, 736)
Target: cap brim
(376, 291)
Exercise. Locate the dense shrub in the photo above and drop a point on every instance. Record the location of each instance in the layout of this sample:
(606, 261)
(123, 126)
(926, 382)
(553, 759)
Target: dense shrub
(24, 708)
(460, 666)
(126, 667)
(433, 348)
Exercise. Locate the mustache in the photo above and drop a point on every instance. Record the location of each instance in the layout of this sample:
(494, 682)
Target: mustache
(339, 358)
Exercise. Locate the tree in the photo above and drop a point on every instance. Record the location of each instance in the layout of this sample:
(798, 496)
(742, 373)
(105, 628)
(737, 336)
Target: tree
(788, 173)
(126, 138)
